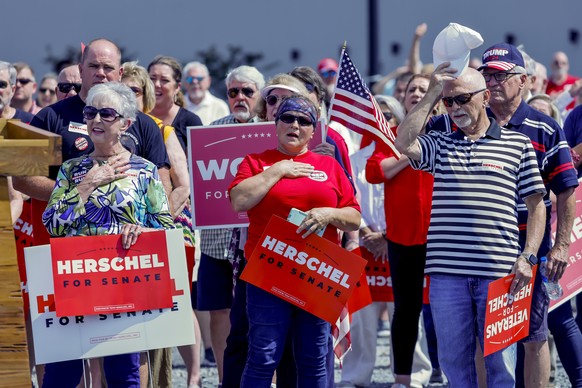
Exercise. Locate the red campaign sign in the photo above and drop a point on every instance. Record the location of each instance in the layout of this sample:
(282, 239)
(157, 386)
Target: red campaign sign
(507, 317)
(361, 296)
(571, 282)
(314, 273)
(95, 275)
(24, 239)
(214, 155)
(378, 276)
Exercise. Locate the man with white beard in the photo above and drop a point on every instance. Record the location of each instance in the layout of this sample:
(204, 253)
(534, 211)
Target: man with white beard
(199, 100)
(215, 273)
(480, 169)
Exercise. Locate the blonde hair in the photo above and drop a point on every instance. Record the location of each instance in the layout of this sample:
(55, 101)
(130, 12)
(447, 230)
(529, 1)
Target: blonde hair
(137, 73)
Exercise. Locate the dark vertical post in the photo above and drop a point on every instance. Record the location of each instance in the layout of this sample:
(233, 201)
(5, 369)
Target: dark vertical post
(373, 37)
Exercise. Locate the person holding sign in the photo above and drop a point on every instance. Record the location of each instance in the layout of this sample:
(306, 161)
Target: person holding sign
(480, 170)
(109, 191)
(272, 183)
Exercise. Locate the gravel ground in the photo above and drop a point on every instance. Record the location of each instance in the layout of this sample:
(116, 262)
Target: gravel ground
(381, 378)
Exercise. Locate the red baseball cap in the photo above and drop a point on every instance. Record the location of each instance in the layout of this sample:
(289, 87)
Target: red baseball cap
(327, 64)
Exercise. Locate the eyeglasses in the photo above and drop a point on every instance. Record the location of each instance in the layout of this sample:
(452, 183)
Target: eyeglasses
(499, 77)
(288, 118)
(309, 86)
(47, 90)
(107, 114)
(388, 115)
(23, 81)
(233, 92)
(137, 91)
(461, 99)
(3, 84)
(65, 87)
(328, 73)
(191, 79)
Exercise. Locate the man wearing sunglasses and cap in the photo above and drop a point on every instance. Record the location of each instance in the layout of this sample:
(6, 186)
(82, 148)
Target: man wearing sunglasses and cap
(100, 63)
(505, 76)
(199, 99)
(68, 82)
(476, 186)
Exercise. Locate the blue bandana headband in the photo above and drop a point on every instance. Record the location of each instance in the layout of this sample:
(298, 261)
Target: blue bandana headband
(298, 104)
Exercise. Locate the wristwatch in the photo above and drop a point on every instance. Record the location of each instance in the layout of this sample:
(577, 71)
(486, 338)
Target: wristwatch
(530, 257)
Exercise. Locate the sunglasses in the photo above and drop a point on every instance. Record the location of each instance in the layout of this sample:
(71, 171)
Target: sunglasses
(309, 86)
(461, 99)
(47, 90)
(328, 73)
(272, 99)
(388, 115)
(3, 84)
(65, 87)
(288, 118)
(137, 91)
(499, 77)
(23, 81)
(107, 114)
(233, 92)
(191, 79)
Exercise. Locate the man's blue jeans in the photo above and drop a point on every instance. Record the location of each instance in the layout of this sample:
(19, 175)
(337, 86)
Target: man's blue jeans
(458, 306)
(271, 320)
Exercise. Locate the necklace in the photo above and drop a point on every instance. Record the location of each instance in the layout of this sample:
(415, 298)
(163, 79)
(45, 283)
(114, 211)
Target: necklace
(106, 157)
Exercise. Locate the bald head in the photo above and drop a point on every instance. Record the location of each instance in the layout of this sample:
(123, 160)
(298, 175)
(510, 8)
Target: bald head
(100, 45)
(68, 79)
(470, 79)
(101, 63)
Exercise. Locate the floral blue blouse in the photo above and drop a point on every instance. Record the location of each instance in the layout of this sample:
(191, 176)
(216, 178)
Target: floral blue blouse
(137, 199)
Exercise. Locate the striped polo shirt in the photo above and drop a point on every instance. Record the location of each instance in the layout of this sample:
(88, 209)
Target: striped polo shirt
(473, 228)
(554, 160)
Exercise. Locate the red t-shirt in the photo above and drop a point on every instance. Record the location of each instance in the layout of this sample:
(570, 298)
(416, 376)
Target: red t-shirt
(553, 89)
(327, 186)
(407, 199)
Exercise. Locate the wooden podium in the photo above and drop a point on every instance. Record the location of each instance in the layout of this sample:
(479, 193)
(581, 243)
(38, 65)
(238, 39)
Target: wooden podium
(24, 151)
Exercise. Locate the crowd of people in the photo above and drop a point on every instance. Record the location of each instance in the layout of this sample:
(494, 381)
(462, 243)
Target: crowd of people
(486, 157)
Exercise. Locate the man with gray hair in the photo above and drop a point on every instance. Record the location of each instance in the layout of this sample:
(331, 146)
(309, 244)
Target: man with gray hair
(200, 100)
(215, 274)
(505, 76)
(68, 82)
(26, 85)
(7, 89)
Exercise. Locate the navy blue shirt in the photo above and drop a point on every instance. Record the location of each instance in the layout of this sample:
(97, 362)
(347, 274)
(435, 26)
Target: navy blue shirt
(65, 118)
(23, 116)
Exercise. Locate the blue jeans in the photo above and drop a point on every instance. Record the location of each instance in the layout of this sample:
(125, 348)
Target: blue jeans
(271, 320)
(458, 306)
(121, 371)
(568, 340)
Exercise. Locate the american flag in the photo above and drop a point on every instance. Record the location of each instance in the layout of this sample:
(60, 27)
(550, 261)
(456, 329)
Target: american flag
(342, 341)
(355, 107)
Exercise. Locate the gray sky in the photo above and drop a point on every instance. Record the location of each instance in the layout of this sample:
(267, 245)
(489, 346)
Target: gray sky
(180, 28)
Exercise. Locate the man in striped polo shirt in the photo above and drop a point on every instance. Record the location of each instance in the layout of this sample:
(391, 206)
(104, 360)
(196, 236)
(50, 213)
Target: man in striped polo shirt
(479, 171)
(505, 75)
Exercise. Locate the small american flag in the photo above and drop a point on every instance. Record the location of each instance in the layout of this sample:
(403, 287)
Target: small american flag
(342, 341)
(355, 107)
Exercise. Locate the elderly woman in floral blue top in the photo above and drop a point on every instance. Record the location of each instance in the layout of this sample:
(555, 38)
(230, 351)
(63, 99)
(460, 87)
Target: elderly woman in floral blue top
(109, 191)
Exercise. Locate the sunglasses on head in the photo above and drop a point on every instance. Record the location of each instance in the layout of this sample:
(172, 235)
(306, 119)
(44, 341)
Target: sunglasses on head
(65, 87)
(47, 90)
(328, 73)
(233, 92)
(461, 99)
(107, 114)
(273, 99)
(191, 79)
(288, 118)
(23, 81)
(3, 84)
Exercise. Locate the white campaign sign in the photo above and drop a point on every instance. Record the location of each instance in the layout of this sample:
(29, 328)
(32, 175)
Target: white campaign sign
(89, 336)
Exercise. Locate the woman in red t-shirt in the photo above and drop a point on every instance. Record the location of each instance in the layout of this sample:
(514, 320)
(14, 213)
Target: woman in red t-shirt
(407, 204)
(272, 183)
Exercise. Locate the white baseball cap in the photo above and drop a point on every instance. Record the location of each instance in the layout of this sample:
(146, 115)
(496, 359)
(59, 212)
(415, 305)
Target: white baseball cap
(454, 44)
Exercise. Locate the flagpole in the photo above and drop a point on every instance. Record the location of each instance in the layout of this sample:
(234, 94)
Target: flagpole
(344, 46)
